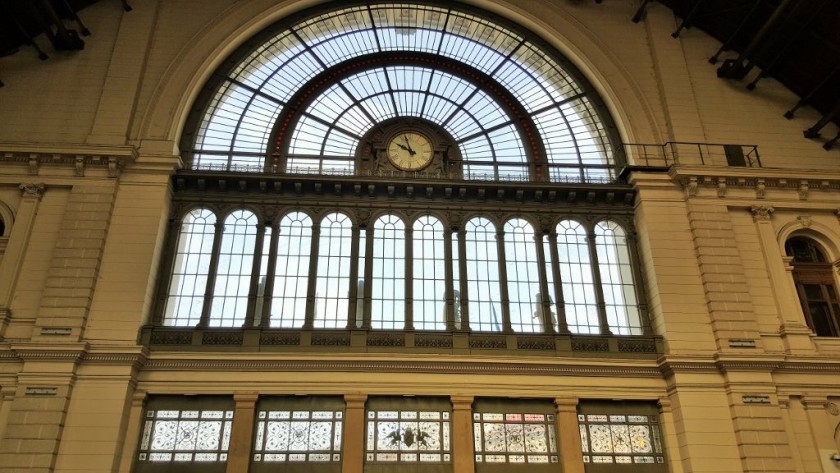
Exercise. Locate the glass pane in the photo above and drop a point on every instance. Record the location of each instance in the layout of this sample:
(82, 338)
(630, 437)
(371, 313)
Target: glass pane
(331, 303)
(388, 283)
(192, 264)
(288, 306)
(233, 276)
(429, 274)
(617, 279)
(576, 278)
(483, 285)
(523, 277)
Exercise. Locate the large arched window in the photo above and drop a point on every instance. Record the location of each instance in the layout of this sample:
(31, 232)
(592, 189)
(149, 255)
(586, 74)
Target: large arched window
(431, 169)
(814, 279)
(305, 95)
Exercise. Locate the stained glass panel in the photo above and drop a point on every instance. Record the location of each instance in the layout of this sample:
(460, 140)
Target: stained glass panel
(299, 435)
(503, 438)
(622, 439)
(185, 436)
(419, 436)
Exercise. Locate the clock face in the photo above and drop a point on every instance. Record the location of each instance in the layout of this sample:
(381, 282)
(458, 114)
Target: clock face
(410, 151)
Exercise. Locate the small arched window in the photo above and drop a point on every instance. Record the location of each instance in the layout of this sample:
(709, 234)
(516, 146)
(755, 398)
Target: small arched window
(388, 283)
(291, 277)
(233, 272)
(814, 281)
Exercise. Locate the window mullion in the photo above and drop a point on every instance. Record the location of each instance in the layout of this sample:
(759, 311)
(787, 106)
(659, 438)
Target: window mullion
(563, 324)
(545, 300)
(309, 311)
(462, 270)
(253, 289)
(635, 263)
(175, 229)
(503, 280)
(353, 294)
(449, 295)
(409, 278)
(604, 326)
(211, 274)
(270, 272)
(368, 285)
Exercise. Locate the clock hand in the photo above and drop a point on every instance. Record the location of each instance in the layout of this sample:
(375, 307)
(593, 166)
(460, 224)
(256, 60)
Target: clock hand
(410, 151)
(403, 147)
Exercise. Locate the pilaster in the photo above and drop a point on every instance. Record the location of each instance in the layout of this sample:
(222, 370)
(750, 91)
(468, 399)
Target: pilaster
(568, 435)
(463, 453)
(242, 431)
(354, 433)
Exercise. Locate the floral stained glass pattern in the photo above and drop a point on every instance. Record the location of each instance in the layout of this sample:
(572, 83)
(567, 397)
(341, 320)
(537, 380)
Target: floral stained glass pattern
(408, 436)
(185, 436)
(620, 439)
(514, 438)
(298, 436)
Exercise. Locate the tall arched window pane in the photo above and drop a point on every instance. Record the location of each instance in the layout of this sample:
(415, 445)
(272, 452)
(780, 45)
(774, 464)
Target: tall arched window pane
(233, 277)
(429, 275)
(576, 277)
(263, 282)
(617, 279)
(388, 289)
(288, 306)
(331, 302)
(523, 277)
(192, 264)
(483, 287)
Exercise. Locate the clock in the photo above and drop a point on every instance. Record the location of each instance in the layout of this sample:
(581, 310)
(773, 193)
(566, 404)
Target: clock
(410, 151)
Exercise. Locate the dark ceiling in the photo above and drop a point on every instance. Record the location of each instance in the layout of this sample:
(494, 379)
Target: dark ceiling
(796, 42)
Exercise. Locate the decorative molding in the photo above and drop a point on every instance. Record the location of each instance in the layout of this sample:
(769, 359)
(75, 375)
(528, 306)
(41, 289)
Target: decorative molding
(81, 159)
(56, 331)
(760, 189)
(32, 190)
(805, 220)
(741, 343)
(803, 190)
(762, 212)
(755, 399)
(575, 369)
(832, 408)
(41, 391)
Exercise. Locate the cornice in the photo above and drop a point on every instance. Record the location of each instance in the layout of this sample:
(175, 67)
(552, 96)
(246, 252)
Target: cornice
(79, 157)
(406, 366)
(725, 179)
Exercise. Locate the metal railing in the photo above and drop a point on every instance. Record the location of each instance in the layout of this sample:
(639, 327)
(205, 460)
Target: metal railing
(687, 153)
(634, 154)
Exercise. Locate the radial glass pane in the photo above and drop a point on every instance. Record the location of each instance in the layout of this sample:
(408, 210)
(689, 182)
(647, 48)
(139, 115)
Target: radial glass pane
(241, 112)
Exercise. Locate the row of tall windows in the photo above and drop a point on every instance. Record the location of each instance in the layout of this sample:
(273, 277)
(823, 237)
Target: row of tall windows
(409, 432)
(397, 274)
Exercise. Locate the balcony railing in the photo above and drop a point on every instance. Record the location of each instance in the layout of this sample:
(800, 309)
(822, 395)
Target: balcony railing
(687, 153)
(373, 341)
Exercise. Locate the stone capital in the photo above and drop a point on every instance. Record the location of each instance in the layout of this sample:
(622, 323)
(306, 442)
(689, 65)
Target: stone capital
(32, 190)
(762, 212)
